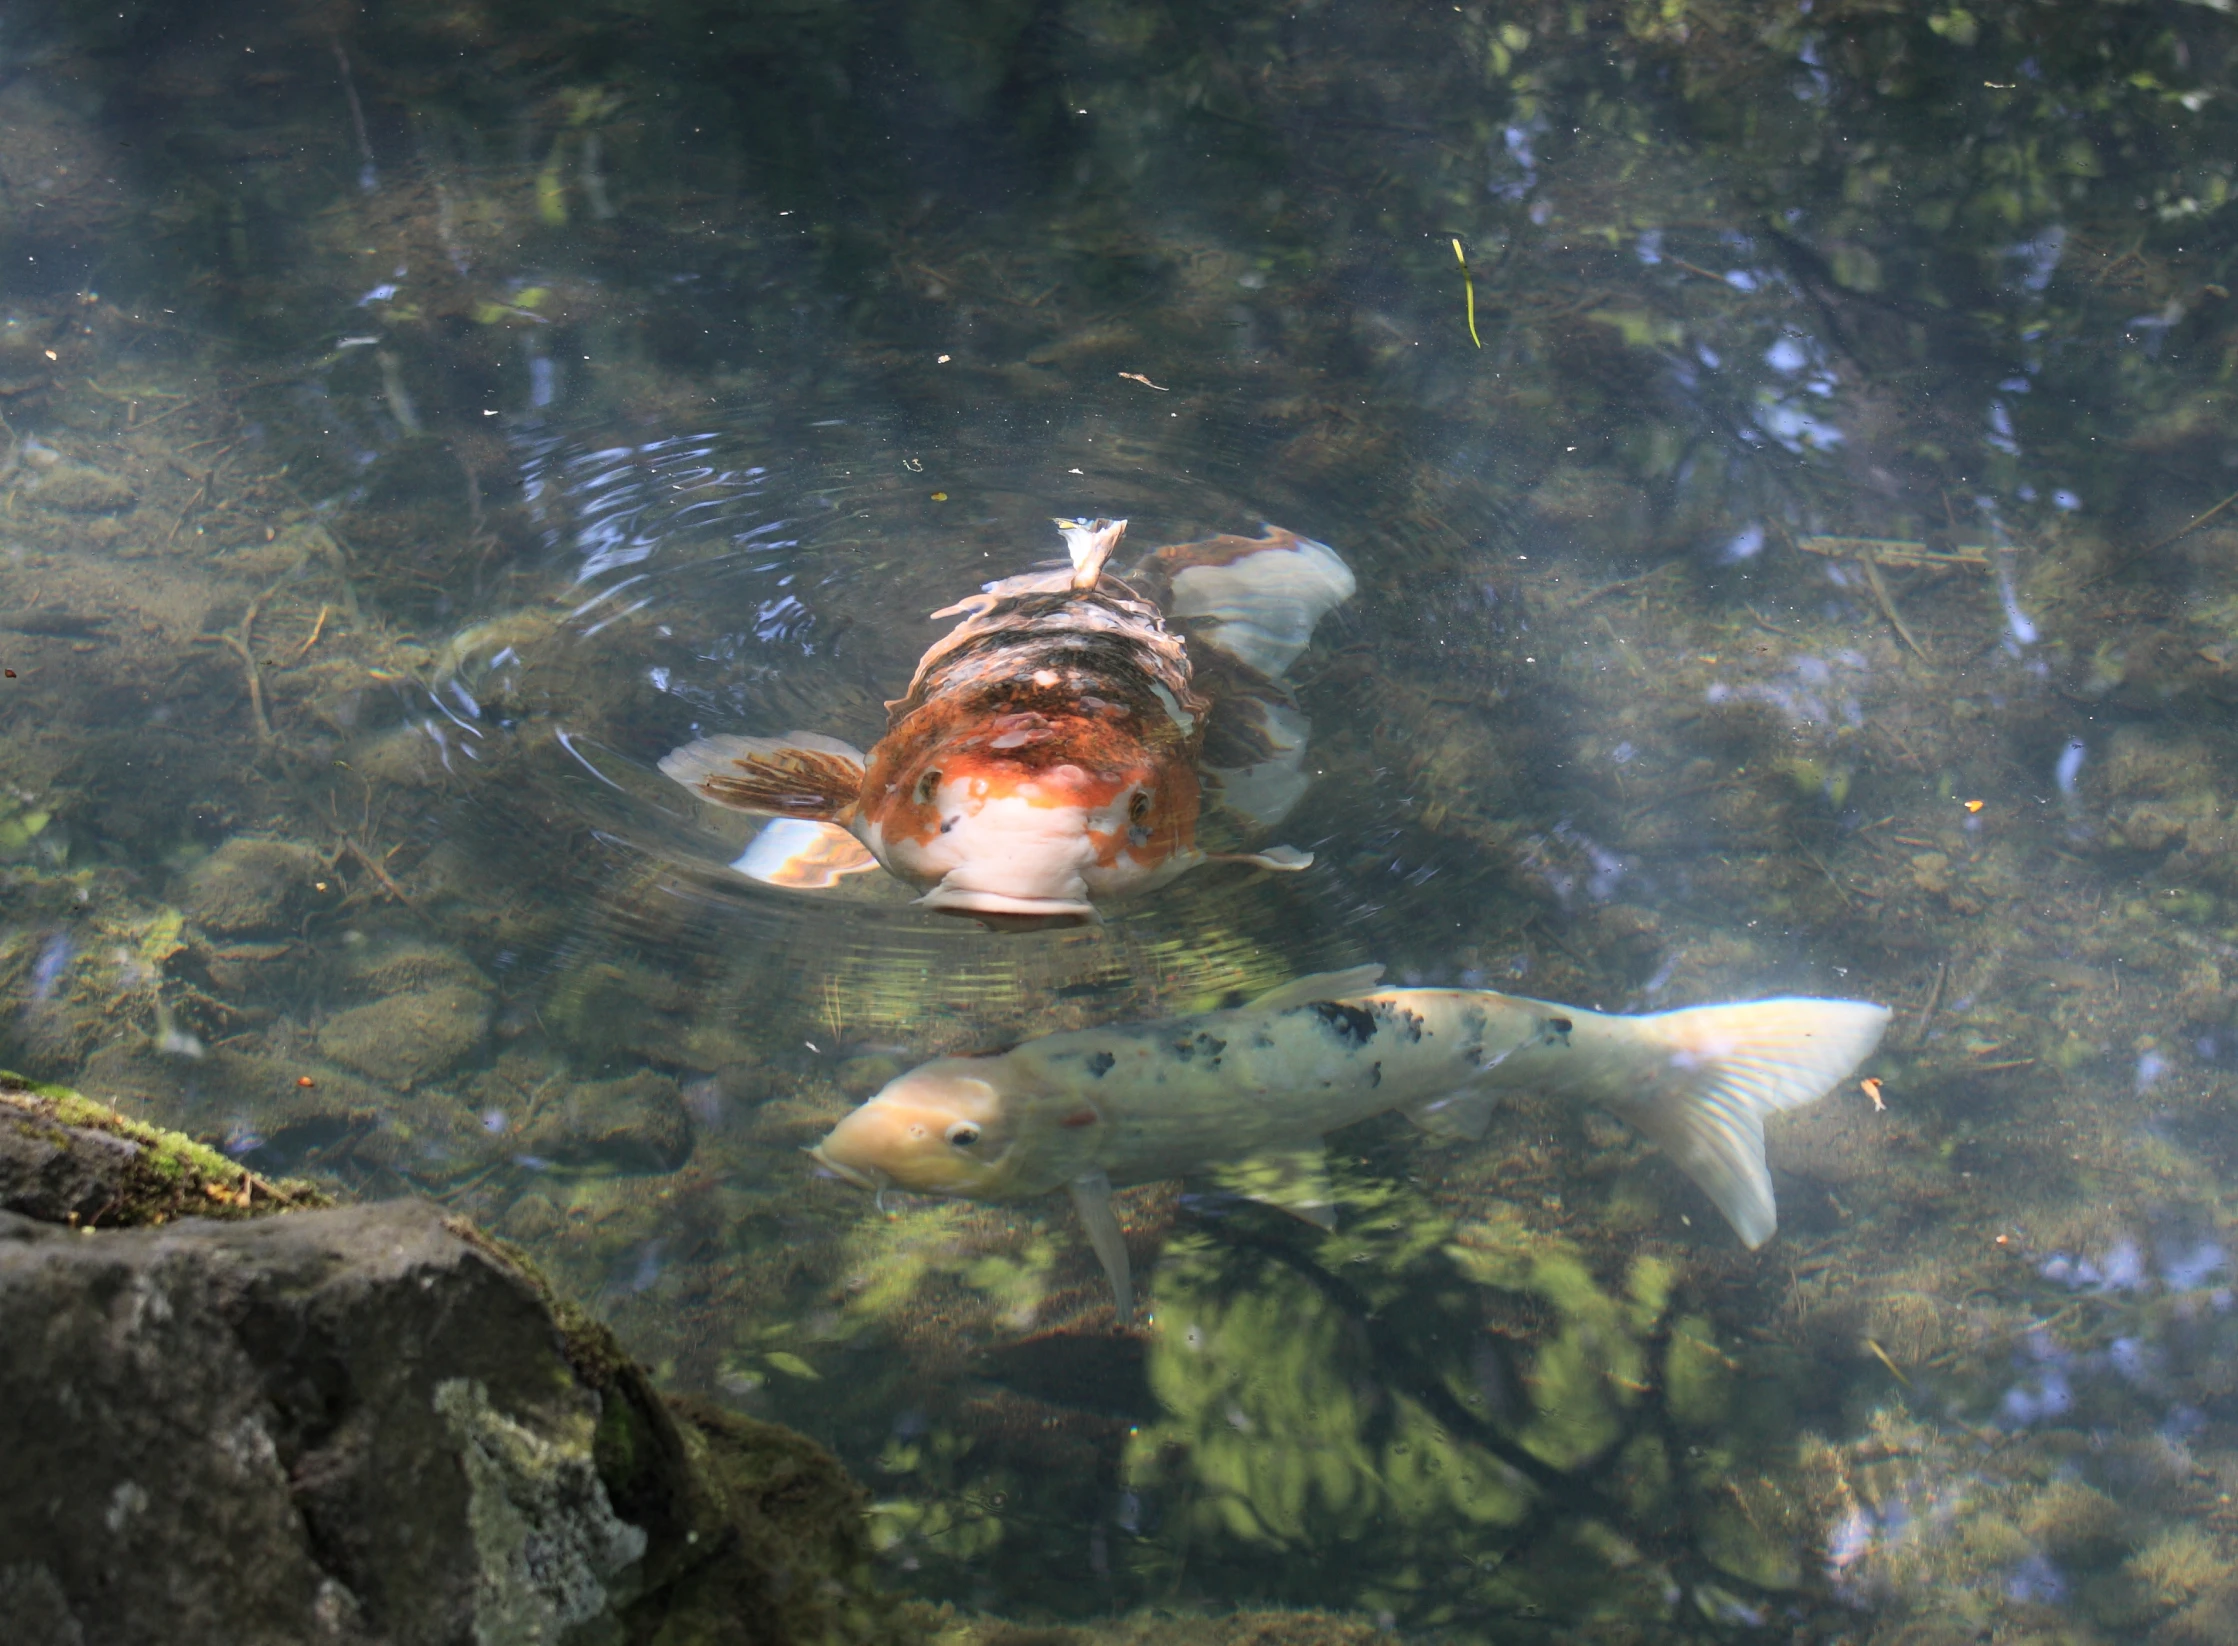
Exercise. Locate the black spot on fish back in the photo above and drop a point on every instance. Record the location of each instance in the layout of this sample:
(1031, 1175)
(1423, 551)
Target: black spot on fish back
(1354, 1025)
(1100, 1064)
(1403, 1022)
(1208, 1046)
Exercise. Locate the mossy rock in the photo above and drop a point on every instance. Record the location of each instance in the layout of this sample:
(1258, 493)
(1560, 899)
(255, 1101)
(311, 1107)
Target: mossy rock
(754, 1533)
(403, 1039)
(67, 1159)
(250, 885)
(398, 968)
(637, 1124)
(739, 1533)
(79, 488)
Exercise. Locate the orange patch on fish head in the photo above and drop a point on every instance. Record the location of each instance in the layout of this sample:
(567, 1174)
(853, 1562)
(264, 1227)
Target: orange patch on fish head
(1032, 816)
(938, 1129)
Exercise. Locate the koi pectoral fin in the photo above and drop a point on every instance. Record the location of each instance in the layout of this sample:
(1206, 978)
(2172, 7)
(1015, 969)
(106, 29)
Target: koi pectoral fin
(1466, 1113)
(1091, 1198)
(1257, 765)
(1281, 859)
(798, 775)
(803, 855)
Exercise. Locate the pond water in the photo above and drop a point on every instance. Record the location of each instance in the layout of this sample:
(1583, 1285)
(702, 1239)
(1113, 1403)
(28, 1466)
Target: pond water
(1785, 456)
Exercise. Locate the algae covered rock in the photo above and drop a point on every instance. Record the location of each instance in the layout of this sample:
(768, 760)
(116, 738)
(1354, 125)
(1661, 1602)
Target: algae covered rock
(418, 1010)
(403, 1039)
(80, 488)
(66, 1159)
(636, 1124)
(250, 885)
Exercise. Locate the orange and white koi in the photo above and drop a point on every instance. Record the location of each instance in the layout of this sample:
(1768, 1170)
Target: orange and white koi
(1054, 750)
(1258, 1088)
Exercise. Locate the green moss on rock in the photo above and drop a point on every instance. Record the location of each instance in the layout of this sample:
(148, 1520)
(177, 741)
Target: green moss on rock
(66, 1158)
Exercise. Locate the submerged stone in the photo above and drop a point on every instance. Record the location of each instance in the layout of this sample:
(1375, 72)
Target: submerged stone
(79, 488)
(251, 885)
(410, 1037)
(636, 1124)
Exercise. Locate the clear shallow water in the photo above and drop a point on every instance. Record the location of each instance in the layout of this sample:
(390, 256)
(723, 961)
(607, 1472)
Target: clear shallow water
(590, 392)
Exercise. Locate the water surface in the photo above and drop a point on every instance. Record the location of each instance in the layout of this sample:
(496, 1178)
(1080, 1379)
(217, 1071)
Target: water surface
(1812, 574)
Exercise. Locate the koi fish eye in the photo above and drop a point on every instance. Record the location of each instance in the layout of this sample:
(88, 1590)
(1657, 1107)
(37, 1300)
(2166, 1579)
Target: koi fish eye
(963, 1134)
(927, 785)
(1138, 808)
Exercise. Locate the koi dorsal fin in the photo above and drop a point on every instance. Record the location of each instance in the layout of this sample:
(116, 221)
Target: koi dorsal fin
(800, 774)
(1304, 991)
(1090, 543)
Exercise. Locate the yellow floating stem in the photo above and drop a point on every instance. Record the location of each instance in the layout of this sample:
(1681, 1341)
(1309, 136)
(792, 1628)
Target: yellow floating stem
(1880, 1354)
(1468, 290)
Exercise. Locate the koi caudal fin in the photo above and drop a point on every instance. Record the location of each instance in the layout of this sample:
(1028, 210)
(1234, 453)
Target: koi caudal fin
(1704, 1078)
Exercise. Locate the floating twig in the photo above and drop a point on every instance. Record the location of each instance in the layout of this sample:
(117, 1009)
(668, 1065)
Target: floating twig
(1696, 269)
(1934, 999)
(1636, 579)
(183, 513)
(1623, 647)
(1879, 586)
(375, 868)
(206, 489)
(1819, 863)
(1468, 290)
(312, 639)
(1880, 1354)
(2196, 521)
(238, 644)
(1895, 551)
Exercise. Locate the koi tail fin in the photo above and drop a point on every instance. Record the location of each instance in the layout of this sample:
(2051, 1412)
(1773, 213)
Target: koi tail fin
(1090, 543)
(798, 775)
(1703, 1079)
